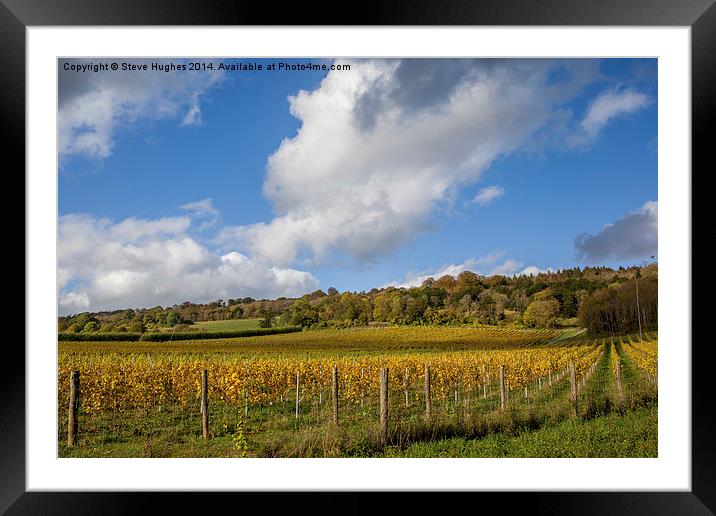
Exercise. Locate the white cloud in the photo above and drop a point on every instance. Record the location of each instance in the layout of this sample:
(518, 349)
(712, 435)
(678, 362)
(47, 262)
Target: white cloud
(105, 265)
(488, 194)
(532, 271)
(607, 106)
(93, 107)
(204, 210)
(193, 116)
(202, 207)
(132, 229)
(380, 147)
(417, 279)
(488, 265)
(634, 236)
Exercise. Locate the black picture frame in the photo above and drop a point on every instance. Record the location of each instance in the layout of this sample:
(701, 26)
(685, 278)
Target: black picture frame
(16, 15)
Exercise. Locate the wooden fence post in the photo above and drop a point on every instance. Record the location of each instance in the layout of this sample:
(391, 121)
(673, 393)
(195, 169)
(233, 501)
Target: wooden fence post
(335, 395)
(74, 407)
(205, 403)
(428, 404)
(384, 405)
(503, 389)
(246, 402)
(298, 389)
(573, 387)
(619, 375)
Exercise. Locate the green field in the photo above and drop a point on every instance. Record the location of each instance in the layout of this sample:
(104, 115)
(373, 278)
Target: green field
(228, 325)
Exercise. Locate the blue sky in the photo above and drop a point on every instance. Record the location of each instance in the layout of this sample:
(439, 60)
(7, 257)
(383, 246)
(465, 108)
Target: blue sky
(204, 185)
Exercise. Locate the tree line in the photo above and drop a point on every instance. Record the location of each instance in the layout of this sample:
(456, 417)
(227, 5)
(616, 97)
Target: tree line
(599, 298)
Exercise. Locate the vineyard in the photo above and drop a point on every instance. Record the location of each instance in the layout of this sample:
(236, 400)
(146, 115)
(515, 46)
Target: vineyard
(310, 393)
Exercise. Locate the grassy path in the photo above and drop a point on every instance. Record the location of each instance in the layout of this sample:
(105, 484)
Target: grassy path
(597, 397)
(638, 390)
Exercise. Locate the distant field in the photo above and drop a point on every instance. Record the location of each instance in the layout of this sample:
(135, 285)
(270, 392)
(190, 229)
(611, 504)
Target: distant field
(230, 325)
(355, 341)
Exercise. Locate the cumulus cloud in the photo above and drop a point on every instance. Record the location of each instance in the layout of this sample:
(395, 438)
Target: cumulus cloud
(633, 236)
(488, 194)
(378, 150)
(104, 265)
(94, 106)
(606, 107)
(380, 147)
(488, 265)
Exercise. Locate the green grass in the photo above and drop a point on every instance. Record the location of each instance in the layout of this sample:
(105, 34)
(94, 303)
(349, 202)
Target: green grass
(229, 325)
(599, 395)
(567, 334)
(274, 433)
(637, 387)
(627, 434)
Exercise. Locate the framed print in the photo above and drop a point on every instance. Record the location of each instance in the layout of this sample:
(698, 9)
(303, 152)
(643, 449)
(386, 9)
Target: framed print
(418, 253)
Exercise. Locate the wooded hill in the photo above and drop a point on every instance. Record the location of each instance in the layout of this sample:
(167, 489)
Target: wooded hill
(601, 299)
